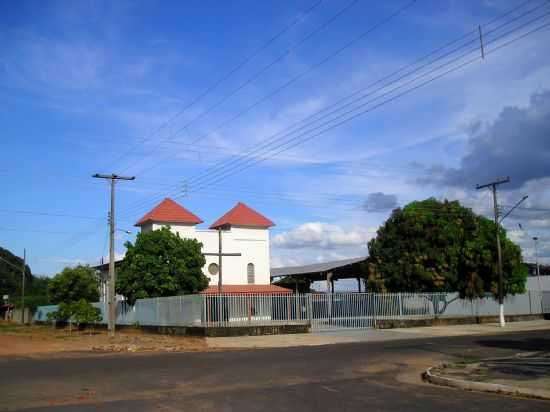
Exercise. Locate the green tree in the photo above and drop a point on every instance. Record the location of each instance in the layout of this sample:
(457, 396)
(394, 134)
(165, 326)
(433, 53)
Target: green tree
(10, 274)
(81, 312)
(73, 284)
(36, 293)
(160, 263)
(432, 246)
(84, 313)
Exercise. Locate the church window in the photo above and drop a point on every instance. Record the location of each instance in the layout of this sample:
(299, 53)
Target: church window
(250, 273)
(213, 268)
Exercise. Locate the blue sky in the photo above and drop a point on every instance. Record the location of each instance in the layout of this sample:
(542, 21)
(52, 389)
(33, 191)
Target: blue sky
(167, 91)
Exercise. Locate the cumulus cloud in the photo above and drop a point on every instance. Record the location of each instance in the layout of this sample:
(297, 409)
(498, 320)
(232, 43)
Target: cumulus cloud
(380, 202)
(320, 236)
(516, 144)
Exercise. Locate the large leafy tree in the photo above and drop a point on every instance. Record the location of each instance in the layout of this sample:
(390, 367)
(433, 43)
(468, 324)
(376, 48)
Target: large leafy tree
(74, 284)
(10, 274)
(160, 263)
(432, 246)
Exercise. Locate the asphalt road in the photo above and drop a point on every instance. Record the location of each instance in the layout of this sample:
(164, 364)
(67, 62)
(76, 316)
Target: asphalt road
(378, 376)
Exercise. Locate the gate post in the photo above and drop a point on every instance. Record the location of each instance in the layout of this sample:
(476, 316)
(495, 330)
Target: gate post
(309, 308)
(400, 306)
(296, 307)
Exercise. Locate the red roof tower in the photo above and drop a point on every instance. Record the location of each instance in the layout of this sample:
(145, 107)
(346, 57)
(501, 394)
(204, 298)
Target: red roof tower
(169, 211)
(242, 215)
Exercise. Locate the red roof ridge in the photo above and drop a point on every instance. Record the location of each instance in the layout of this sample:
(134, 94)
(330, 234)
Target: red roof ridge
(242, 215)
(169, 211)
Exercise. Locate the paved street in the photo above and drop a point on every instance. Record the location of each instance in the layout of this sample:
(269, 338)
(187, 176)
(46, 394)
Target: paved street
(377, 376)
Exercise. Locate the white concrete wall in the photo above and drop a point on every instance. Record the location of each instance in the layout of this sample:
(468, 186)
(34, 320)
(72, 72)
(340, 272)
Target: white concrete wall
(532, 283)
(252, 243)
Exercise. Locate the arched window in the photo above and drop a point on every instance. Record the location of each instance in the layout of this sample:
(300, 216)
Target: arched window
(250, 273)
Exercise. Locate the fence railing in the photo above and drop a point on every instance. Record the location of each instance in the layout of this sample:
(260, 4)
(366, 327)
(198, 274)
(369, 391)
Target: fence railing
(321, 310)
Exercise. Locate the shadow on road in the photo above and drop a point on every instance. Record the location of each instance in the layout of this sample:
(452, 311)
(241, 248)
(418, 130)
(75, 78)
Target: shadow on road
(527, 345)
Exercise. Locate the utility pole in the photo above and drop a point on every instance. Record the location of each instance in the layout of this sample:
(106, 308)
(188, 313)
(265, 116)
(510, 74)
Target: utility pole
(535, 239)
(23, 286)
(112, 276)
(493, 186)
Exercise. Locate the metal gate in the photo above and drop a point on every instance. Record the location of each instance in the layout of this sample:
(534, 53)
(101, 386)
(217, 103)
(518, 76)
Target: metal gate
(341, 310)
(364, 310)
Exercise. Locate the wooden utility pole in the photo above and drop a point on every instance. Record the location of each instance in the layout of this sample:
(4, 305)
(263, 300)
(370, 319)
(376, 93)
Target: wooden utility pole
(112, 275)
(493, 186)
(23, 286)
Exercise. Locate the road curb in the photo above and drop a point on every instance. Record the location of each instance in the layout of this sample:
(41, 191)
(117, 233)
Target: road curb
(431, 377)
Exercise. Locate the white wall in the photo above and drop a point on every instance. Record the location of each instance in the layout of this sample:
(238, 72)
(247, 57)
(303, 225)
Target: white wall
(532, 283)
(252, 243)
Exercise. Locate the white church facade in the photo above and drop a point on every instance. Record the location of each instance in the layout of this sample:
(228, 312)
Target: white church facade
(244, 241)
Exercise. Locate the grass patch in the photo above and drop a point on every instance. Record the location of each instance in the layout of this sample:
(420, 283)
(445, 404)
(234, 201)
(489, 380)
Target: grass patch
(9, 327)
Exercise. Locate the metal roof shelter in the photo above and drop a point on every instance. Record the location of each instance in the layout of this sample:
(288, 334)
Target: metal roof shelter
(328, 271)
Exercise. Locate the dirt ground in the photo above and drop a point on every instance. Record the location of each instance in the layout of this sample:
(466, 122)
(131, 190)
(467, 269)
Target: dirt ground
(35, 340)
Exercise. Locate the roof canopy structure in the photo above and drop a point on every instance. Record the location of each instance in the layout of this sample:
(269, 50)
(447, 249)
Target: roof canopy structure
(169, 211)
(340, 269)
(242, 215)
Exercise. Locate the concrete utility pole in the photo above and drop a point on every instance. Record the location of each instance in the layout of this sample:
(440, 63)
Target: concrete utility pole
(535, 239)
(112, 276)
(23, 286)
(493, 186)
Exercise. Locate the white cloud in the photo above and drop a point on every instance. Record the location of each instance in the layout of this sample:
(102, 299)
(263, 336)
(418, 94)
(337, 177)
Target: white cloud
(319, 235)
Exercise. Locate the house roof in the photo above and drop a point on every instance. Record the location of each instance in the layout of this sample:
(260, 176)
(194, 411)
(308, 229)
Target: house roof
(242, 215)
(169, 211)
(246, 289)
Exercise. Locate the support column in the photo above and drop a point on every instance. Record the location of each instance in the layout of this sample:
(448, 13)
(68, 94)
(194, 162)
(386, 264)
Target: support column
(329, 282)
(359, 285)
(330, 291)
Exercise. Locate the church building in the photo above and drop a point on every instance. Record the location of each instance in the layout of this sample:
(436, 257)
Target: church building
(241, 236)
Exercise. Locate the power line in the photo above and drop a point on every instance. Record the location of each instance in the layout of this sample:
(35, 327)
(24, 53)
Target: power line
(297, 77)
(28, 212)
(303, 137)
(225, 77)
(8, 229)
(350, 112)
(11, 264)
(354, 115)
(270, 141)
(257, 74)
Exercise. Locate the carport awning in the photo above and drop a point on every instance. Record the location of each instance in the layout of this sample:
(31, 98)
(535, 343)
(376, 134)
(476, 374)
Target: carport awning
(342, 269)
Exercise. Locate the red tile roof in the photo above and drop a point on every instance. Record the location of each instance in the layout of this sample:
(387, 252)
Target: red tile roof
(247, 290)
(242, 215)
(169, 211)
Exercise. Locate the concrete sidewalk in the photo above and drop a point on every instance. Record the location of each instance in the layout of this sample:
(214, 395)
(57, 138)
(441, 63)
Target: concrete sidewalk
(371, 335)
(525, 374)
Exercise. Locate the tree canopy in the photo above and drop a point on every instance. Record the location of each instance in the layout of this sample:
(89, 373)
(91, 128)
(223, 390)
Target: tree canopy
(36, 287)
(74, 284)
(10, 274)
(433, 246)
(160, 263)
